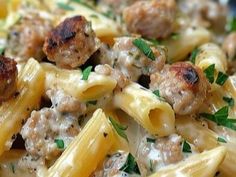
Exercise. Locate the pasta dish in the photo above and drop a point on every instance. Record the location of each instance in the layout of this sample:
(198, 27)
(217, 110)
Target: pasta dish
(117, 88)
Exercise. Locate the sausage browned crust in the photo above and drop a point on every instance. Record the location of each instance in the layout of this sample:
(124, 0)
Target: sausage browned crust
(8, 77)
(71, 43)
(183, 85)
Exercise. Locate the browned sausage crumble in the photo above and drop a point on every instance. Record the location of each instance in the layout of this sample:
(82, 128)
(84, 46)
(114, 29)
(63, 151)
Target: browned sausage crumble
(71, 43)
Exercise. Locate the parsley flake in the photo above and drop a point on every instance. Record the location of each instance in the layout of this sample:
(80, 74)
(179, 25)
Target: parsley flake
(86, 72)
(65, 6)
(209, 73)
(120, 129)
(2, 50)
(175, 36)
(151, 140)
(130, 166)
(12, 166)
(194, 54)
(60, 143)
(229, 100)
(157, 93)
(151, 165)
(221, 78)
(222, 140)
(231, 25)
(186, 147)
(144, 48)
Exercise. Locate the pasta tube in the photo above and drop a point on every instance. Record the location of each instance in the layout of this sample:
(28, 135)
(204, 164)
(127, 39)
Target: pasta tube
(188, 39)
(154, 115)
(205, 139)
(199, 165)
(89, 148)
(13, 112)
(70, 81)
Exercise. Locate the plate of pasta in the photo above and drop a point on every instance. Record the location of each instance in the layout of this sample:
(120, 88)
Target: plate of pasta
(112, 88)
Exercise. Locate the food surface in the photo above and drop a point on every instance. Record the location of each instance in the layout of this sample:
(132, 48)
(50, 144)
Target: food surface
(117, 88)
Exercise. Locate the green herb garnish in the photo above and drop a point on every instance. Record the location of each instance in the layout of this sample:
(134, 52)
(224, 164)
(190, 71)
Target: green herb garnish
(130, 166)
(151, 140)
(144, 48)
(221, 78)
(175, 36)
(2, 50)
(186, 147)
(151, 165)
(65, 6)
(221, 118)
(222, 140)
(60, 143)
(157, 93)
(229, 100)
(194, 55)
(120, 129)
(86, 72)
(209, 72)
(231, 25)
(12, 166)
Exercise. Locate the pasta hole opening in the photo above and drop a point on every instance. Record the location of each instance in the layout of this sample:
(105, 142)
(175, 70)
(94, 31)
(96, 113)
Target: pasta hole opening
(156, 117)
(94, 92)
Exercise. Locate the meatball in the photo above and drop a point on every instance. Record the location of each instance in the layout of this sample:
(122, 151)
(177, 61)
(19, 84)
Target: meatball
(183, 85)
(159, 152)
(8, 77)
(151, 19)
(45, 127)
(71, 43)
(26, 38)
(229, 45)
(131, 61)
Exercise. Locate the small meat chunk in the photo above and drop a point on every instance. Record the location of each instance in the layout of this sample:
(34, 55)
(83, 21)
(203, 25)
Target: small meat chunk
(26, 38)
(45, 127)
(107, 70)
(161, 152)
(183, 85)
(113, 165)
(151, 19)
(71, 43)
(131, 61)
(8, 77)
(229, 45)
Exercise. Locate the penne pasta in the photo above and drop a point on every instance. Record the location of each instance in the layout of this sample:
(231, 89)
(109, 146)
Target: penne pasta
(199, 165)
(95, 87)
(13, 112)
(154, 115)
(188, 39)
(86, 151)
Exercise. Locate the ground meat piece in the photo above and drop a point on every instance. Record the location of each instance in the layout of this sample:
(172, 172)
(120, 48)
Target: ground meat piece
(71, 43)
(122, 81)
(26, 38)
(112, 166)
(44, 127)
(160, 152)
(207, 13)
(151, 19)
(8, 77)
(131, 61)
(183, 85)
(31, 163)
(65, 103)
(229, 45)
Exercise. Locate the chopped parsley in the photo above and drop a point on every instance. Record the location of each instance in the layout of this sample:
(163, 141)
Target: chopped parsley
(154, 42)
(93, 102)
(93, 16)
(221, 78)
(186, 147)
(120, 129)
(130, 166)
(12, 166)
(157, 93)
(144, 48)
(60, 143)
(222, 140)
(2, 50)
(65, 6)
(229, 100)
(151, 165)
(221, 118)
(175, 36)
(82, 3)
(86, 72)
(194, 54)
(209, 72)
(231, 25)
(151, 140)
